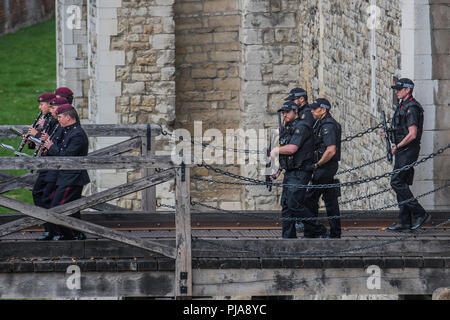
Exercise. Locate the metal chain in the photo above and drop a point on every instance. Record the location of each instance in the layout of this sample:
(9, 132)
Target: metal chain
(207, 145)
(360, 134)
(343, 216)
(256, 182)
(361, 166)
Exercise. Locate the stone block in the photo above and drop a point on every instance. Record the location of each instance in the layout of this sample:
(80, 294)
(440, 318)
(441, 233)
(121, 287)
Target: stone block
(163, 41)
(216, 6)
(440, 14)
(440, 66)
(134, 88)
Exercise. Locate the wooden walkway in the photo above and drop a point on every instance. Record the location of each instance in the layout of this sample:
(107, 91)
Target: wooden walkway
(187, 253)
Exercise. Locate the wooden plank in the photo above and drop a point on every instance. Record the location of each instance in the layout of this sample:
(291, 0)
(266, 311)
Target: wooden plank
(87, 202)
(319, 247)
(86, 163)
(84, 226)
(148, 200)
(316, 281)
(26, 181)
(96, 130)
(94, 284)
(183, 262)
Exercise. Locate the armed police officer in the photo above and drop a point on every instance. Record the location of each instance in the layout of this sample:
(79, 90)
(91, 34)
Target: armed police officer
(406, 132)
(69, 183)
(296, 152)
(300, 97)
(327, 132)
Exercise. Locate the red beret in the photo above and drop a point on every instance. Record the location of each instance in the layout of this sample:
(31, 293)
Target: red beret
(63, 91)
(63, 108)
(58, 101)
(46, 97)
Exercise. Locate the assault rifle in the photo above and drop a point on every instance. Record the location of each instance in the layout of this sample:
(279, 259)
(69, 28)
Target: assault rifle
(388, 137)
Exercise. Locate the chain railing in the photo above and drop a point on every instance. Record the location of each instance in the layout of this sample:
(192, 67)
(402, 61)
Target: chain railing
(246, 151)
(256, 182)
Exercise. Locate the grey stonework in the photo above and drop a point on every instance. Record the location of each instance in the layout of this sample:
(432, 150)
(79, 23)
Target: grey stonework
(229, 63)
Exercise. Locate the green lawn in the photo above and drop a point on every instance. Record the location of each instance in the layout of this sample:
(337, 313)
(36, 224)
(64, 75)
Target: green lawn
(27, 69)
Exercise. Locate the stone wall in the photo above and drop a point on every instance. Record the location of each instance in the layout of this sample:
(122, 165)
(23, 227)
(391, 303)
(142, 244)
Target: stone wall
(322, 46)
(17, 14)
(230, 63)
(208, 85)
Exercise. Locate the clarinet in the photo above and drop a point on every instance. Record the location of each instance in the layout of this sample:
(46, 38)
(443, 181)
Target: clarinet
(42, 149)
(24, 140)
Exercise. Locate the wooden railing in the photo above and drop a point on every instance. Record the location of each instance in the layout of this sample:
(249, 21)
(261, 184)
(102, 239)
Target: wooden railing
(141, 137)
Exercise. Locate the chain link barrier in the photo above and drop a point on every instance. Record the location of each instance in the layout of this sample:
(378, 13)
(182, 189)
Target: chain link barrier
(246, 151)
(256, 182)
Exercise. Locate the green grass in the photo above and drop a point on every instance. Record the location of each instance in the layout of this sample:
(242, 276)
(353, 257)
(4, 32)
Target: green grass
(27, 69)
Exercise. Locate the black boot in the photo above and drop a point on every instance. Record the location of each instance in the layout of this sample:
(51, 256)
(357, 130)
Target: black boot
(399, 227)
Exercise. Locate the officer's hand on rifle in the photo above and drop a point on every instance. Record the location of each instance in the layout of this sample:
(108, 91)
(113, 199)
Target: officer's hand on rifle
(274, 153)
(394, 149)
(275, 175)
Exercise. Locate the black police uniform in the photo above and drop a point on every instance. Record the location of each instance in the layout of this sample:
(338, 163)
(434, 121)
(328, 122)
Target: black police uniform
(407, 113)
(68, 183)
(327, 133)
(297, 172)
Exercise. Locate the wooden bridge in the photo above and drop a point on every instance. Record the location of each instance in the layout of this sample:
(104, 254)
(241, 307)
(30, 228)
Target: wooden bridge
(192, 253)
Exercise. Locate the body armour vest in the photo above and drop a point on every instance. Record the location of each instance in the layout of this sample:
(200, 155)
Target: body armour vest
(305, 153)
(320, 146)
(400, 124)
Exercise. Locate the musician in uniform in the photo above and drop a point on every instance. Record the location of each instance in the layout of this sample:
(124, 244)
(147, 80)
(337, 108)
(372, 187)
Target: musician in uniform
(69, 183)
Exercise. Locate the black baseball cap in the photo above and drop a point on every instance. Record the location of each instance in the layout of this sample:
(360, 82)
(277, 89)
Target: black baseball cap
(287, 106)
(320, 103)
(403, 83)
(295, 94)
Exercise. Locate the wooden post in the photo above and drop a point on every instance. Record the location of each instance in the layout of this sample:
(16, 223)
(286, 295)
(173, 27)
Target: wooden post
(183, 263)
(148, 202)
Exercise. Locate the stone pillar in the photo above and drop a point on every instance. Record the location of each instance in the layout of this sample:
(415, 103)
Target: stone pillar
(103, 90)
(425, 60)
(72, 51)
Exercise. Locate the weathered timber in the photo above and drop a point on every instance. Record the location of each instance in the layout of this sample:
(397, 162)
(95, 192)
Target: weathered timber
(87, 202)
(94, 284)
(148, 202)
(183, 262)
(97, 130)
(12, 182)
(313, 281)
(84, 226)
(395, 246)
(86, 163)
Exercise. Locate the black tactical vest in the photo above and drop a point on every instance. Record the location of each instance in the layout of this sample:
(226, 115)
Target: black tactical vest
(399, 124)
(320, 146)
(305, 154)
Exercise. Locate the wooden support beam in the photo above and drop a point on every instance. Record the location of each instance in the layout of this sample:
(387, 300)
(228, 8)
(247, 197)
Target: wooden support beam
(183, 262)
(86, 163)
(87, 227)
(148, 202)
(26, 181)
(96, 130)
(87, 202)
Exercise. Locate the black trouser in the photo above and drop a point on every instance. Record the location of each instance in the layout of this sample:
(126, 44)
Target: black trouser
(62, 195)
(293, 206)
(401, 181)
(38, 190)
(325, 175)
